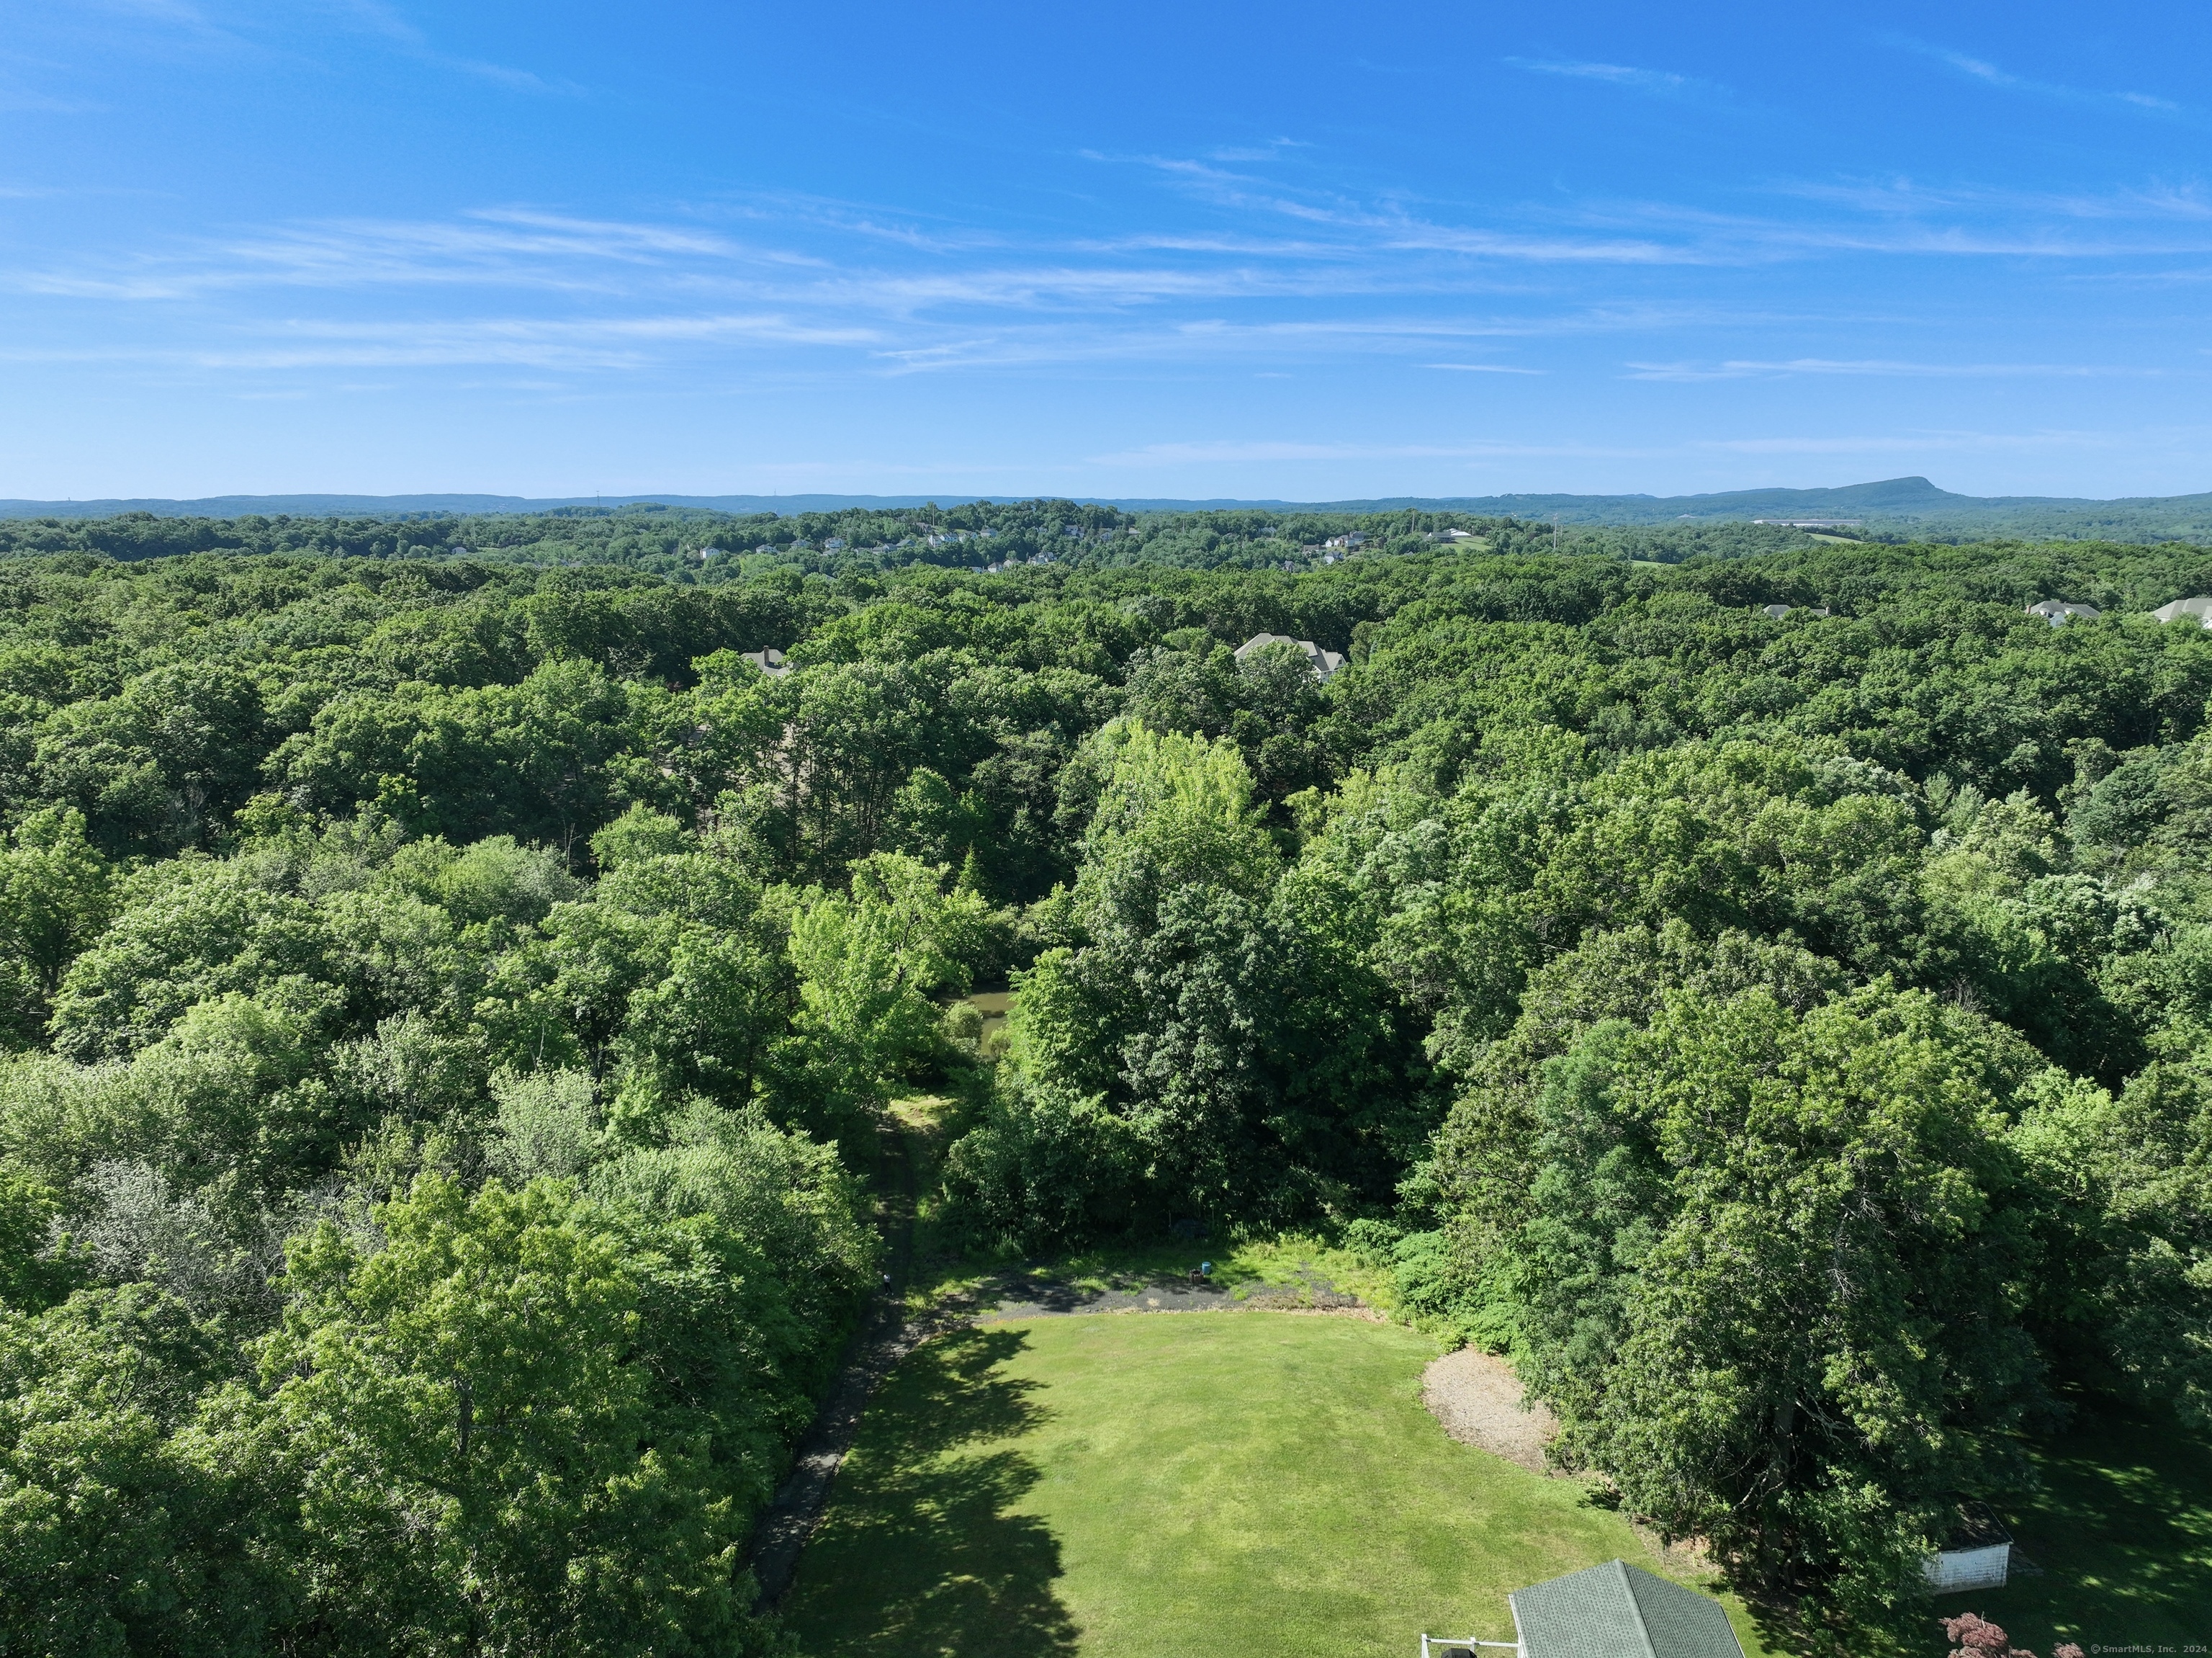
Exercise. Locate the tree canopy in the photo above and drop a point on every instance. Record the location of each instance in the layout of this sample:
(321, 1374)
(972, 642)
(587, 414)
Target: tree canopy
(453, 977)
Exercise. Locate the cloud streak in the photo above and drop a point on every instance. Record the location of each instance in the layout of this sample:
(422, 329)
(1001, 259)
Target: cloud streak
(1220, 452)
(1988, 74)
(1653, 82)
(1749, 369)
(1250, 270)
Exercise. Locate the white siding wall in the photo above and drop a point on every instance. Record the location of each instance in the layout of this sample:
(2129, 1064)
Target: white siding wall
(1968, 1569)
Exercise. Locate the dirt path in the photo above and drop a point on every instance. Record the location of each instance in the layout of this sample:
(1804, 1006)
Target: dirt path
(885, 1337)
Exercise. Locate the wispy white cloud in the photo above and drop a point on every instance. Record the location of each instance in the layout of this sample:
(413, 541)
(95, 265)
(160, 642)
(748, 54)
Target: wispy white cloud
(387, 23)
(1657, 82)
(175, 14)
(1739, 369)
(1214, 339)
(2155, 202)
(1269, 246)
(1890, 219)
(1390, 228)
(16, 99)
(576, 344)
(1262, 274)
(507, 246)
(1920, 442)
(1476, 451)
(1268, 151)
(1988, 74)
(1217, 452)
(296, 34)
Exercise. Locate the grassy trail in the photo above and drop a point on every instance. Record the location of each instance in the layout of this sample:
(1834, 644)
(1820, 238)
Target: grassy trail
(785, 1527)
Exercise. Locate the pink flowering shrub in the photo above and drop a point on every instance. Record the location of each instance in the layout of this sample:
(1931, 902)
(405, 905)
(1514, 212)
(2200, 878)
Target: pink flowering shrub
(1978, 1638)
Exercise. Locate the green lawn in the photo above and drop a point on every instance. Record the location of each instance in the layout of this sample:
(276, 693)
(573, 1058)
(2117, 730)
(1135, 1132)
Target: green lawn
(2123, 1530)
(1128, 1486)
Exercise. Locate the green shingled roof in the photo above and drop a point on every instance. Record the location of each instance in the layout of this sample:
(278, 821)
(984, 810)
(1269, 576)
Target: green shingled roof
(1619, 1611)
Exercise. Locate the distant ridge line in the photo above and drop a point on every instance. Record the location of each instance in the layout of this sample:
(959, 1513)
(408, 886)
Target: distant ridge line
(1907, 499)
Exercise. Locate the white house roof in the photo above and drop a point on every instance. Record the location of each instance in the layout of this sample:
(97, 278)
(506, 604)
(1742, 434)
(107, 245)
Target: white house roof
(1619, 1611)
(2200, 608)
(2055, 610)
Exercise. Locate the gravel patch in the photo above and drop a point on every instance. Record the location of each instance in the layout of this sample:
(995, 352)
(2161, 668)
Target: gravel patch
(1023, 1297)
(1478, 1398)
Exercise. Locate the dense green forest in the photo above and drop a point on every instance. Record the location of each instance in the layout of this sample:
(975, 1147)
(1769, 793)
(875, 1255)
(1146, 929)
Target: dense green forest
(449, 998)
(688, 545)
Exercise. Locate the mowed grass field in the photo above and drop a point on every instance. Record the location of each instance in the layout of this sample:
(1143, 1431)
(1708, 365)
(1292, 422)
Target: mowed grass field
(1159, 1486)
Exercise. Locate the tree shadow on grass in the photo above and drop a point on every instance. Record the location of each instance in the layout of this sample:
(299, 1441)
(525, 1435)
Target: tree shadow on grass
(2112, 1548)
(2118, 1538)
(918, 1554)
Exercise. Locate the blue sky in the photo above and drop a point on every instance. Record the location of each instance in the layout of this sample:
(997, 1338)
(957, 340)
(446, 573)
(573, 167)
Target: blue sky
(1289, 250)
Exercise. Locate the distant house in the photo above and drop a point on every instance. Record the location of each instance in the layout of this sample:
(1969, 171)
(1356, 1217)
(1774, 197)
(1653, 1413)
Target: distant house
(1778, 611)
(705, 553)
(2058, 613)
(769, 661)
(1612, 1611)
(1353, 540)
(1809, 523)
(2200, 608)
(1322, 662)
(835, 544)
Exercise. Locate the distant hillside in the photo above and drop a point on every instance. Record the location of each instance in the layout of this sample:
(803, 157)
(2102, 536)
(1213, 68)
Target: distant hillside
(1896, 508)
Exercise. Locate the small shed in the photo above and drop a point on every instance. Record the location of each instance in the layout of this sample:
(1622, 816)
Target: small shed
(1612, 1611)
(1977, 1555)
(1619, 1611)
